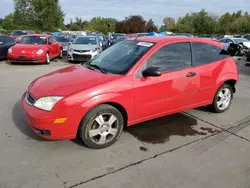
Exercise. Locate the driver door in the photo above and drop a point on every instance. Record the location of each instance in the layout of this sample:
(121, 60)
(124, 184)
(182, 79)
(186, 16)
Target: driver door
(173, 91)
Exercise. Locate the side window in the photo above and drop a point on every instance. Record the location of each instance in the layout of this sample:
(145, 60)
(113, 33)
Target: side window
(224, 40)
(205, 53)
(229, 40)
(171, 57)
(52, 40)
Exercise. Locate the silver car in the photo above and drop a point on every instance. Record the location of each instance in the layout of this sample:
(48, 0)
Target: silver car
(64, 41)
(84, 48)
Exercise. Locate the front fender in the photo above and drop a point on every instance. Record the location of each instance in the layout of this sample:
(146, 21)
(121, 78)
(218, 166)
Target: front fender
(127, 102)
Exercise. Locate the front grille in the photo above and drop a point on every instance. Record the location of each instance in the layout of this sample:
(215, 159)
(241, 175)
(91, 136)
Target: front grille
(81, 51)
(78, 57)
(30, 99)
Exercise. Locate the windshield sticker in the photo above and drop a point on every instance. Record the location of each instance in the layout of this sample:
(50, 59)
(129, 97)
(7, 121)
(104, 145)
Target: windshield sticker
(42, 37)
(147, 44)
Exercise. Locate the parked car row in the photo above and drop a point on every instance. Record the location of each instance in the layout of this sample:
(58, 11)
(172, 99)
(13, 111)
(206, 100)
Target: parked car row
(79, 47)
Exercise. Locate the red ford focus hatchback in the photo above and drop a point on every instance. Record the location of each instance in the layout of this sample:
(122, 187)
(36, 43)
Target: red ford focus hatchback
(35, 48)
(133, 81)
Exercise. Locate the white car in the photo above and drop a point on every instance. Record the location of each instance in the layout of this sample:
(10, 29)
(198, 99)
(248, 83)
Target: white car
(84, 48)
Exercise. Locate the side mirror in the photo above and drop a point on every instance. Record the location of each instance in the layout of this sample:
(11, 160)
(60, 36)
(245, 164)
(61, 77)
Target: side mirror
(70, 43)
(101, 44)
(49, 43)
(151, 71)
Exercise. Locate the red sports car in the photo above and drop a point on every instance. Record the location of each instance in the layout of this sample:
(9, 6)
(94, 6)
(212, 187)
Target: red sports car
(35, 48)
(130, 82)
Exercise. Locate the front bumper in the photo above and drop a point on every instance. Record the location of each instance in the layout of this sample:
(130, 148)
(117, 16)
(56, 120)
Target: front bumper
(49, 125)
(27, 58)
(84, 56)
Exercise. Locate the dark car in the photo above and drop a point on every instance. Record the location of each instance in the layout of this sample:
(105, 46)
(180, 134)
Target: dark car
(17, 33)
(64, 41)
(114, 38)
(5, 43)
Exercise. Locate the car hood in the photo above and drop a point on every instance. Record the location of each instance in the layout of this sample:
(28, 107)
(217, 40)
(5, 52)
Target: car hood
(67, 81)
(26, 48)
(64, 43)
(83, 47)
(247, 44)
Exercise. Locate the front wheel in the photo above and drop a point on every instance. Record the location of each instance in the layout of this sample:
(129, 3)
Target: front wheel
(61, 54)
(47, 58)
(222, 99)
(101, 126)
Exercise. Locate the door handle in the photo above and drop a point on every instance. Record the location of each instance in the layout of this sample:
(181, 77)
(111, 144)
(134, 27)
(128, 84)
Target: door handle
(190, 74)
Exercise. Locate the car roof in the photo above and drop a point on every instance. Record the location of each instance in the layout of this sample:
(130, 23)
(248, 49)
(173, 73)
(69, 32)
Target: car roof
(162, 39)
(39, 35)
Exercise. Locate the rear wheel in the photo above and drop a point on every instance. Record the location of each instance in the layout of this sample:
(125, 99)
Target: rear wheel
(47, 58)
(101, 126)
(222, 99)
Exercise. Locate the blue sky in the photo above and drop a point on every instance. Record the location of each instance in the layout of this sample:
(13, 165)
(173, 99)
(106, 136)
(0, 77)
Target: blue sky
(155, 9)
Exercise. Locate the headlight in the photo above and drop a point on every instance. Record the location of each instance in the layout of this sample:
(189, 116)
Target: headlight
(93, 50)
(70, 49)
(47, 103)
(40, 51)
(10, 50)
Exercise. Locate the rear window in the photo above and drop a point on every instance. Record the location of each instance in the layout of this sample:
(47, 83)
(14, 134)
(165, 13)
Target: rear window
(205, 53)
(62, 39)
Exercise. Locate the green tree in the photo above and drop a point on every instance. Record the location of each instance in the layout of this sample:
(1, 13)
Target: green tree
(150, 26)
(75, 27)
(38, 14)
(100, 24)
(7, 22)
(168, 23)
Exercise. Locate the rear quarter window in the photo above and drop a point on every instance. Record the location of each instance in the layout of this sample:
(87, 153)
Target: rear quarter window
(206, 53)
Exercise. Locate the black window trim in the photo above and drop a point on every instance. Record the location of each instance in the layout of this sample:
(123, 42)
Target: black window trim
(139, 72)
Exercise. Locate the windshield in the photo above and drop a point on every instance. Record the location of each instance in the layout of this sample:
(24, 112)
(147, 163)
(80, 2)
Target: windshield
(240, 40)
(18, 33)
(118, 36)
(2, 38)
(85, 40)
(62, 39)
(120, 58)
(33, 40)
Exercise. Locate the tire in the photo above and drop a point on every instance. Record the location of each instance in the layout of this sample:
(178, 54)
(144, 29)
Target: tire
(96, 131)
(47, 58)
(222, 104)
(70, 61)
(61, 54)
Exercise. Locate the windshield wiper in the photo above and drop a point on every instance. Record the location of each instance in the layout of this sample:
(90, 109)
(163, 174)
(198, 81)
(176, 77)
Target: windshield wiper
(91, 66)
(98, 67)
